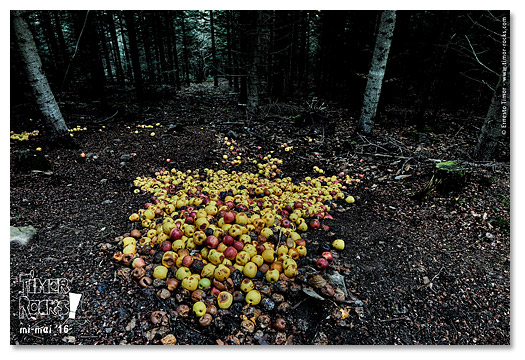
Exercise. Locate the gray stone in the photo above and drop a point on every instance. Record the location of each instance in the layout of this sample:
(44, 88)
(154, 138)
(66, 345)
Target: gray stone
(339, 281)
(22, 234)
(126, 157)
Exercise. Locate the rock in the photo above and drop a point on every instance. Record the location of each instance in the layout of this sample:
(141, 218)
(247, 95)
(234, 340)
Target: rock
(69, 339)
(22, 234)
(105, 202)
(169, 340)
(321, 339)
(103, 181)
(126, 157)
(310, 292)
(131, 325)
(339, 281)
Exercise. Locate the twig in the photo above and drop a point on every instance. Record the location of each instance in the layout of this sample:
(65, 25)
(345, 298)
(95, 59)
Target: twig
(76, 49)
(406, 318)
(439, 272)
(299, 303)
(108, 118)
(479, 61)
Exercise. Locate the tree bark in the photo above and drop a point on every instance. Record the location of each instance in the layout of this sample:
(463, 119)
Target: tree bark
(229, 47)
(175, 55)
(185, 57)
(127, 66)
(44, 98)
(377, 71)
(491, 130)
(213, 52)
(116, 48)
(134, 53)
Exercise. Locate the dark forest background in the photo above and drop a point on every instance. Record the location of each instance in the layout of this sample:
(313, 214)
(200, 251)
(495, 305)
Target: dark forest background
(440, 61)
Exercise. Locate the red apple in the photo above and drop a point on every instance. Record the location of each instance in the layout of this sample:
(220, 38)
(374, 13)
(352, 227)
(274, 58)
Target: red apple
(230, 253)
(176, 234)
(322, 263)
(187, 261)
(212, 242)
(238, 245)
(327, 255)
(285, 223)
(188, 220)
(315, 224)
(229, 217)
(228, 240)
(165, 245)
(298, 205)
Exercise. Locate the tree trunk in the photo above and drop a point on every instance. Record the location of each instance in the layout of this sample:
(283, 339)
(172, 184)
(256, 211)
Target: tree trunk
(377, 71)
(229, 47)
(174, 53)
(250, 46)
(60, 35)
(116, 48)
(51, 40)
(91, 58)
(127, 66)
(213, 52)
(491, 130)
(134, 52)
(107, 55)
(186, 60)
(44, 98)
(145, 36)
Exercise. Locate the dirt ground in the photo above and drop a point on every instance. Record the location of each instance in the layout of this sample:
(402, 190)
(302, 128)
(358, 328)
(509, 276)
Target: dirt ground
(431, 271)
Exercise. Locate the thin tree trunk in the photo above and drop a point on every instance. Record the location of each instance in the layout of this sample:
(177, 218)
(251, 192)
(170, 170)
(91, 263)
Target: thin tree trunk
(116, 48)
(134, 52)
(185, 50)
(229, 47)
(145, 36)
(491, 130)
(51, 40)
(213, 52)
(173, 36)
(60, 35)
(107, 56)
(126, 51)
(44, 98)
(377, 71)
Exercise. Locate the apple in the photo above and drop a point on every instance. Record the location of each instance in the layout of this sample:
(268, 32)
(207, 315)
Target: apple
(230, 253)
(285, 223)
(138, 262)
(322, 263)
(187, 261)
(224, 299)
(250, 270)
(228, 240)
(327, 255)
(315, 224)
(338, 244)
(238, 245)
(272, 275)
(212, 242)
(253, 297)
(199, 308)
(165, 245)
(176, 234)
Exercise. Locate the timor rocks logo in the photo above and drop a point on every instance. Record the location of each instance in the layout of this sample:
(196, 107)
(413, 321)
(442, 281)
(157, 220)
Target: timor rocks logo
(43, 297)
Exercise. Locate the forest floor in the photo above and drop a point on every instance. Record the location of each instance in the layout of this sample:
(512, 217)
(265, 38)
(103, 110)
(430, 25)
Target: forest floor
(431, 271)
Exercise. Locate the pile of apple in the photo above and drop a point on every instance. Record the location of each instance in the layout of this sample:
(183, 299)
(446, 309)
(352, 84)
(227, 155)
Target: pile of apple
(219, 233)
(24, 136)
